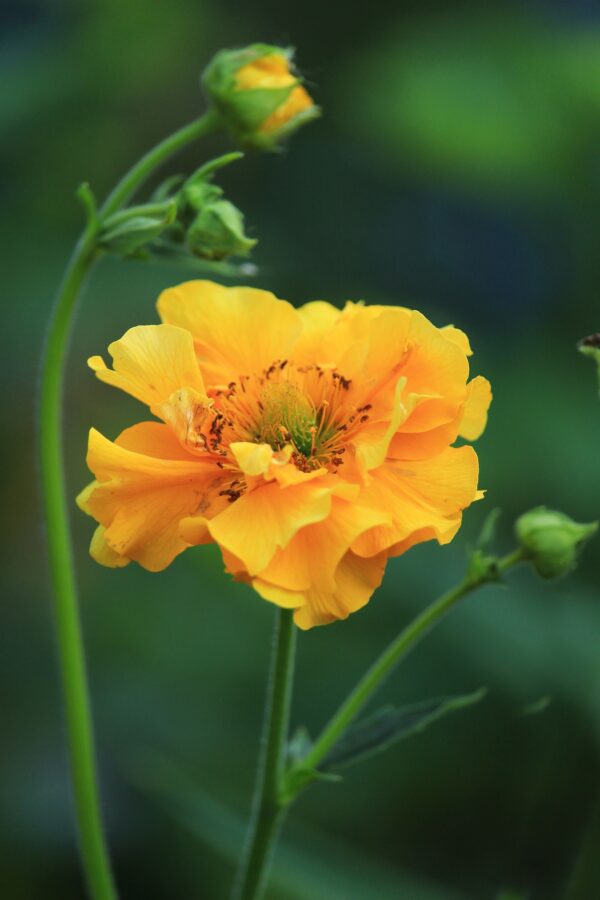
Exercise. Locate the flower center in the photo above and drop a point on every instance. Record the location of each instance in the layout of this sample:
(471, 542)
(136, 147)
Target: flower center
(286, 416)
(309, 408)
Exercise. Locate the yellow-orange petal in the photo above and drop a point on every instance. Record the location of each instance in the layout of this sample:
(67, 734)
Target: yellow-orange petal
(152, 439)
(267, 518)
(314, 345)
(150, 362)
(372, 442)
(423, 444)
(103, 553)
(266, 72)
(237, 331)
(425, 496)
(356, 579)
(474, 417)
(295, 103)
(141, 499)
(186, 411)
(253, 459)
(436, 367)
(458, 337)
(310, 559)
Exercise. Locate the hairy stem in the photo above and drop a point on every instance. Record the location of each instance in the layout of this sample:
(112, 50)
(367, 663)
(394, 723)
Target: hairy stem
(267, 810)
(68, 626)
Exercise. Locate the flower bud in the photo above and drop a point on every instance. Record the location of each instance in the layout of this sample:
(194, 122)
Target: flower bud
(551, 540)
(218, 232)
(213, 227)
(258, 96)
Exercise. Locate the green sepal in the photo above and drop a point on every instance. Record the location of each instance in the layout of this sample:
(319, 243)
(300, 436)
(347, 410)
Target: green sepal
(487, 535)
(390, 725)
(205, 172)
(88, 200)
(126, 236)
(168, 187)
(481, 568)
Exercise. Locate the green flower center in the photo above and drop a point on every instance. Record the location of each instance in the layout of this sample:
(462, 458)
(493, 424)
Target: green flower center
(287, 416)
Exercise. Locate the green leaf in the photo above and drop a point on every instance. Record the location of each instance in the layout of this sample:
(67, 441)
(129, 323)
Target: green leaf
(391, 724)
(488, 529)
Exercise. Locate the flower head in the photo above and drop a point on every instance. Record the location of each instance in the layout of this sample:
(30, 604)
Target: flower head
(310, 444)
(259, 97)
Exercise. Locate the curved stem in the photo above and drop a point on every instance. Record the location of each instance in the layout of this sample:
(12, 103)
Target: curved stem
(267, 809)
(71, 653)
(70, 645)
(130, 182)
(396, 651)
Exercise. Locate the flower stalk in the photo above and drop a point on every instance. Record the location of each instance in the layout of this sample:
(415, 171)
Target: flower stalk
(396, 651)
(70, 644)
(268, 809)
(277, 783)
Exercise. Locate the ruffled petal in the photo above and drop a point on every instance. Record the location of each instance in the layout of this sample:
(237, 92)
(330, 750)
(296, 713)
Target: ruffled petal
(310, 559)
(103, 553)
(150, 362)
(425, 496)
(237, 331)
(355, 580)
(474, 417)
(435, 367)
(140, 499)
(267, 518)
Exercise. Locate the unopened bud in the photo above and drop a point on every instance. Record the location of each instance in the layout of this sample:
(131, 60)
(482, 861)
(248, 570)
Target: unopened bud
(218, 232)
(213, 227)
(258, 95)
(551, 540)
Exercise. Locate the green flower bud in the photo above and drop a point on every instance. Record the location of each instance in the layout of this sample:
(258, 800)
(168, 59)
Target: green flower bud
(218, 232)
(551, 540)
(259, 98)
(212, 227)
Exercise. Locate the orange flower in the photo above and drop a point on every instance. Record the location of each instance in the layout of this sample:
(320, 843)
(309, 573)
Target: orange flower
(311, 444)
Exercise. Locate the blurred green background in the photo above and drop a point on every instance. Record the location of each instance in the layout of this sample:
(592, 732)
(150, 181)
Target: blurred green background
(455, 169)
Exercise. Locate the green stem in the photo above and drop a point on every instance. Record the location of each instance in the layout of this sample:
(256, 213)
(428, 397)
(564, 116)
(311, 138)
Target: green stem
(130, 182)
(396, 651)
(70, 645)
(267, 809)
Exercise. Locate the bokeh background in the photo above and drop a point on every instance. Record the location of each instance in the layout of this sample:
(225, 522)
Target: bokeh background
(455, 169)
